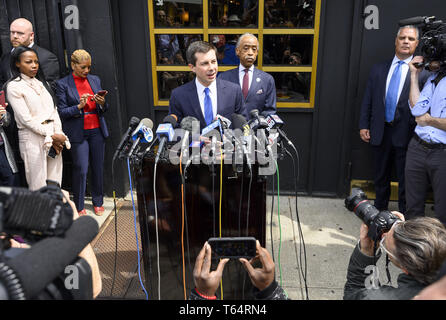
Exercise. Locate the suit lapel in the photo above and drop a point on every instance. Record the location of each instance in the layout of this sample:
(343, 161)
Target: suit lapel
(73, 89)
(220, 95)
(254, 83)
(406, 87)
(93, 84)
(383, 80)
(195, 102)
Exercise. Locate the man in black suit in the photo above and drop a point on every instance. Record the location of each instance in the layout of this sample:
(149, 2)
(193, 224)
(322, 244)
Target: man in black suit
(386, 122)
(22, 34)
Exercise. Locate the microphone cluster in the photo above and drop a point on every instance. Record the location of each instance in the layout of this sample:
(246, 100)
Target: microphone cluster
(236, 140)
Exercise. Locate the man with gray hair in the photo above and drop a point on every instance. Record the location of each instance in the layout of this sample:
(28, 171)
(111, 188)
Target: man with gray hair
(258, 87)
(416, 246)
(385, 121)
(22, 34)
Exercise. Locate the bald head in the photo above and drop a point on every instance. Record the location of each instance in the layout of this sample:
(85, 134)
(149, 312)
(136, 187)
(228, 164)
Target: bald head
(21, 33)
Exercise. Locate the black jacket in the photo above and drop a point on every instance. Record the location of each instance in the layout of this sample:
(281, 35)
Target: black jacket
(48, 63)
(355, 287)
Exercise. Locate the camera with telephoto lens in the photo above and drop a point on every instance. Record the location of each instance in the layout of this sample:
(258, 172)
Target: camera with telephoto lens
(377, 221)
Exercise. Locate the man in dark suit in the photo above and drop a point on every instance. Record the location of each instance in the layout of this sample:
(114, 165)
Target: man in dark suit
(385, 119)
(22, 34)
(205, 96)
(258, 87)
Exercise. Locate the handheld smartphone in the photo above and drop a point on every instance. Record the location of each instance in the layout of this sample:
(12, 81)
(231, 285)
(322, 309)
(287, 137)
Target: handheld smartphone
(52, 152)
(102, 92)
(233, 248)
(2, 99)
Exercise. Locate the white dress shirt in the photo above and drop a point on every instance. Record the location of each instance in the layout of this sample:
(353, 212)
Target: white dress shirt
(404, 70)
(212, 93)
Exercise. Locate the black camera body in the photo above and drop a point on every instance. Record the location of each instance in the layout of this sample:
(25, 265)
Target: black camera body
(432, 41)
(34, 214)
(377, 221)
(44, 220)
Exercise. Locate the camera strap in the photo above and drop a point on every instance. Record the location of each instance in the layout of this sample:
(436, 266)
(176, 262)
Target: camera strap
(389, 281)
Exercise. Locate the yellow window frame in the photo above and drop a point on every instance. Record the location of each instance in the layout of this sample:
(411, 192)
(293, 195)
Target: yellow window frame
(260, 32)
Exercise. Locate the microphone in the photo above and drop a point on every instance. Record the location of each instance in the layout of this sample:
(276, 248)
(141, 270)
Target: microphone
(274, 122)
(134, 121)
(165, 132)
(225, 122)
(186, 125)
(239, 122)
(259, 123)
(142, 133)
(47, 259)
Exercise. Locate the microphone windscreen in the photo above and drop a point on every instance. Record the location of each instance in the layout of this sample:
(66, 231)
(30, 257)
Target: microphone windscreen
(172, 119)
(134, 121)
(254, 113)
(147, 123)
(47, 259)
(238, 121)
(186, 123)
(411, 21)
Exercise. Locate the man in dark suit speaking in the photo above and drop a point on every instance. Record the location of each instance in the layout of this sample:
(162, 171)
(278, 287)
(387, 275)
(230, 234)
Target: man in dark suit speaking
(385, 119)
(22, 34)
(205, 96)
(258, 87)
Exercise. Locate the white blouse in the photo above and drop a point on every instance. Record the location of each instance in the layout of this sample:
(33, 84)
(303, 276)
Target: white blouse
(33, 106)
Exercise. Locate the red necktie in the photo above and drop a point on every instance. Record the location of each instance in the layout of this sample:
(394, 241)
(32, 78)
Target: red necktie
(245, 87)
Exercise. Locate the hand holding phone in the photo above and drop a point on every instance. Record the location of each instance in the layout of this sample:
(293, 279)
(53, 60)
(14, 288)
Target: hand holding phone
(102, 93)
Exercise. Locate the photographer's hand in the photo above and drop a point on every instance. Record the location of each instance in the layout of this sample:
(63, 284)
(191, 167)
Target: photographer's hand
(207, 282)
(366, 243)
(261, 278)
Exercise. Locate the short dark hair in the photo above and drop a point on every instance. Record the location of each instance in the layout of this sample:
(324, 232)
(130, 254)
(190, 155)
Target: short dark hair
(198, 46)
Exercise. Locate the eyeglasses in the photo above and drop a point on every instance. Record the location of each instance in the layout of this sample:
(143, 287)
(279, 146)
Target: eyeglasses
(383, 248)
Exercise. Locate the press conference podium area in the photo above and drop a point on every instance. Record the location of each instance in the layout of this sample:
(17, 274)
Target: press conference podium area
(178, 233)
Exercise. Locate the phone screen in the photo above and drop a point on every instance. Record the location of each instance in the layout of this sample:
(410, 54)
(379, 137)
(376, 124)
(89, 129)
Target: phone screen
(233, 248)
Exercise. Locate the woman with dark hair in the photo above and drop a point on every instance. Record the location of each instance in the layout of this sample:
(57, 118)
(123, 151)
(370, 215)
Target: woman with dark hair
(41, 139)
(81, 108)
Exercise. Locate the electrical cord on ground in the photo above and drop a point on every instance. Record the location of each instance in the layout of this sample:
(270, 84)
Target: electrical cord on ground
(136, 231)
(156, 231)
(302, 247)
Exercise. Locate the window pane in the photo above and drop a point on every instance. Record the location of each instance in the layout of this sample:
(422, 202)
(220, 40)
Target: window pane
(171, 48)
(277, 49)
(225, 44)
(233, 14)
(169, 80)
(292, 86)
(175, 14)
(289, 14)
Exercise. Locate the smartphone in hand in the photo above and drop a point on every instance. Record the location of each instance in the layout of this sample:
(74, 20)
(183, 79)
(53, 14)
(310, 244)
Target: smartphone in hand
(2, 99)
(233, 248)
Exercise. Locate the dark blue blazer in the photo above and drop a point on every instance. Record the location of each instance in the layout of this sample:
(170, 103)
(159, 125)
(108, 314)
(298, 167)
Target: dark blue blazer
(372, 114)
(261, 94)
(68, 100)
(184, 101)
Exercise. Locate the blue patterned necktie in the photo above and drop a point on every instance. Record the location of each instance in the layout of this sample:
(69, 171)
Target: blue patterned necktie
(208, 112)
(392, 93)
